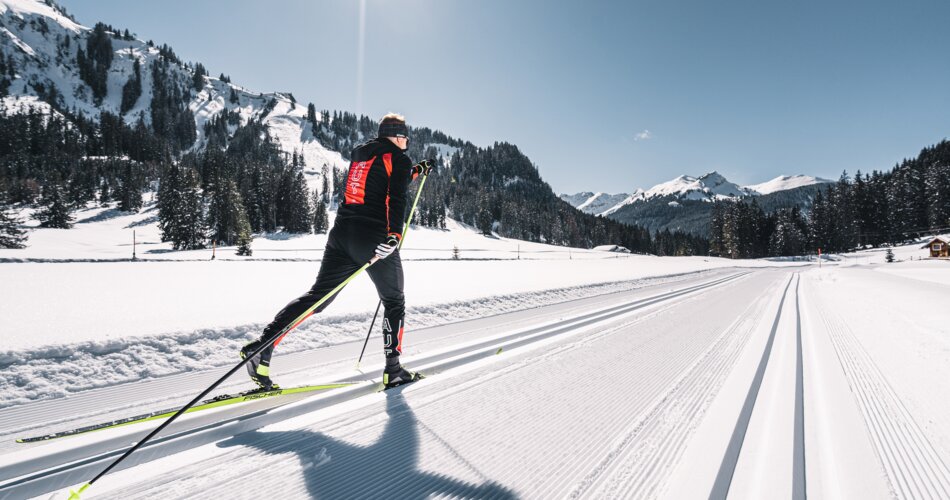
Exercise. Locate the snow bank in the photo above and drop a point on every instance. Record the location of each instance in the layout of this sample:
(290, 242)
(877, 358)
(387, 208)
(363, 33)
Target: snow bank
(55, 370)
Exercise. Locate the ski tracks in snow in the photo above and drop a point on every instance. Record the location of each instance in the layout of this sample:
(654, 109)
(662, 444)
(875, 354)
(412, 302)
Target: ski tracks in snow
(910, 462)
(638, 464)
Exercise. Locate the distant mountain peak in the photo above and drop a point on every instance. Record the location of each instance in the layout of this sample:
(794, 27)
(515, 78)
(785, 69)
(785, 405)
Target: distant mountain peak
(709, 187)
(785, 182)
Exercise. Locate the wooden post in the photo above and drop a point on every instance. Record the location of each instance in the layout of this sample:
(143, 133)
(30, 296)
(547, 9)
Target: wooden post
(819, 258)
(214, 248)
(133, 244)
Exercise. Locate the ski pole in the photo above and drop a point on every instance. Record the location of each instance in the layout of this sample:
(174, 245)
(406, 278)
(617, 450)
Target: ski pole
(405, 230)
(74, 495)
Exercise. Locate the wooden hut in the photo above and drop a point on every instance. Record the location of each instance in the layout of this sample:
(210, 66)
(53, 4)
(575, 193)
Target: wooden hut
(939, 247)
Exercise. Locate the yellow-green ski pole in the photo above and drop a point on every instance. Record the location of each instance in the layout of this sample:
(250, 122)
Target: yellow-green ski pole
(405, 230)
(74, 495)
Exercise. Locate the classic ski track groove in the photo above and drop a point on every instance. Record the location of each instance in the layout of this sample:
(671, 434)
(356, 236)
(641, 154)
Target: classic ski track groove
(730, 460)
(908, 459)
(799, 477)
(360, 423)
(621, 474)
(75, 468)
(657, 383)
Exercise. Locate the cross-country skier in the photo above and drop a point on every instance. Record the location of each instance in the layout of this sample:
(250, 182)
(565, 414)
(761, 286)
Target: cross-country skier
(369, 222)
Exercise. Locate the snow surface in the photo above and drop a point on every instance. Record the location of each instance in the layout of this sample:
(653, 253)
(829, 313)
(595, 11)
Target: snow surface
(766, 383)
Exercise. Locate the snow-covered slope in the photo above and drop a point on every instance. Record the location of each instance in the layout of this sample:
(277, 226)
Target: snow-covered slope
(785, 182)
(594, 203)
(709, 187)
(42, 44)
(576, 199)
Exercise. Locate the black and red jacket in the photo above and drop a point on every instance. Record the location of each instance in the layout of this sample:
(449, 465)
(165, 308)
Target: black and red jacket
(375, 191)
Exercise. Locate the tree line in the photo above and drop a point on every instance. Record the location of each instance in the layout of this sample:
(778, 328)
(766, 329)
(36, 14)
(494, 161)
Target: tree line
(868, 210)
(496, 189)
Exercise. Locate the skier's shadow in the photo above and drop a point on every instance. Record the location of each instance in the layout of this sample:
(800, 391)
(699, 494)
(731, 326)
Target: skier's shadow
(387, 468)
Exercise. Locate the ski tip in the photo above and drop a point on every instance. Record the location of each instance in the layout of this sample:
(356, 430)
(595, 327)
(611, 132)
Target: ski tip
(74, 495)
(499, 351)
(20, 440)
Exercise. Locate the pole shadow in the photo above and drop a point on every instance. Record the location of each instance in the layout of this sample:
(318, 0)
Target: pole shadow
(387, 468)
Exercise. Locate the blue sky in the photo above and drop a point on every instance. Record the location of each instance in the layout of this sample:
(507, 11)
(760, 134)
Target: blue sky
(752, 89)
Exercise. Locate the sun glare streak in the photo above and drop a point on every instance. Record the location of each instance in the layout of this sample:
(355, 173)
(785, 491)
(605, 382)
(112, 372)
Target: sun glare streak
(359, 59)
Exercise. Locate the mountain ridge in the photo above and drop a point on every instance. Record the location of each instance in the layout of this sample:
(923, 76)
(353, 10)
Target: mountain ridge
(708, 187)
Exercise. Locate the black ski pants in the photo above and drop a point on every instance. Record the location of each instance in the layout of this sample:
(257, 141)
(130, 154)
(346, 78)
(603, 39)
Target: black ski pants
(349, 247)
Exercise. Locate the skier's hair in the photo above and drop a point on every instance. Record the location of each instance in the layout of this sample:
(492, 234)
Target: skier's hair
(393, 125)
(392, 118)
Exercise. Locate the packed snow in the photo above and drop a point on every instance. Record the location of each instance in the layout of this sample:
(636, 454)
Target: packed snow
(837, 374)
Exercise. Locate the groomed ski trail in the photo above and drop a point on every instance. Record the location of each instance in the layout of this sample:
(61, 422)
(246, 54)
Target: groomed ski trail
(572, 324)
(530, 423)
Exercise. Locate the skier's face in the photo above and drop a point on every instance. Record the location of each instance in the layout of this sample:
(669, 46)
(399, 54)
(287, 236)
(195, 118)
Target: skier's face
(402, 142)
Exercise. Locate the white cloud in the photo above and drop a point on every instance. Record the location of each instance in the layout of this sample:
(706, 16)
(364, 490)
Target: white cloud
(643, 136)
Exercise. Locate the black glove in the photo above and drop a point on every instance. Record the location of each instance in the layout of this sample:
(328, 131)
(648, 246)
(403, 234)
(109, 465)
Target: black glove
(388, 246)
(423, 167)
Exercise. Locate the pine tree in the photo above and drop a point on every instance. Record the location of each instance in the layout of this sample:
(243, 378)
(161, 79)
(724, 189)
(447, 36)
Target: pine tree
(198, 79)
(244, 240)
(180, 209)
(227, 218)
(320, 216)
(129, 192)
(299, 211)
(191, 221)
(105, 195)
(55, 212)
(11, 236)
(312, 116)
(132, 89)
(938, 196)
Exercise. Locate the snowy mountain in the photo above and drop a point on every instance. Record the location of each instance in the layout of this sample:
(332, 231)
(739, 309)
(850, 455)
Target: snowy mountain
(43, 48)
(784, 183)
(709, 187)
(684, 203)
(594, 203)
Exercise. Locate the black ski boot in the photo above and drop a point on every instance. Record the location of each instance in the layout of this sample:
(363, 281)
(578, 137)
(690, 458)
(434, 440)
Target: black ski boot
(395, 375)
(257, 368)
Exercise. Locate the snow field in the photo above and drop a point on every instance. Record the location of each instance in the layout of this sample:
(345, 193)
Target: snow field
(50, 371)
(896, 369)
(548, 334)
